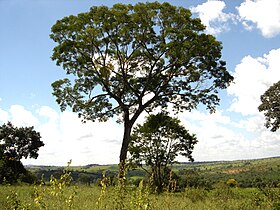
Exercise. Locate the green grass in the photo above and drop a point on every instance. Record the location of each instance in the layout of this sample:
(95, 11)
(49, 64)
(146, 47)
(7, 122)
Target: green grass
(85, 197)
(58, 194)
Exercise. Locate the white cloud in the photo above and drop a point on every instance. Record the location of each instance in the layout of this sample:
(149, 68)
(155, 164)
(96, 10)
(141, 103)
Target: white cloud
(47, 112)
(264, 142)
(66, 137)
(220, 138)
(253, 76)
(22, 117)
(4, 116)
(216, 139)
(212, 16)
(264, 14)
(254, 124)
(224, 137)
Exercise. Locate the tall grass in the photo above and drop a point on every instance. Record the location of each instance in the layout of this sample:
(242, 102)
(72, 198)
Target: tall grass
(59, 194)
(86, 197)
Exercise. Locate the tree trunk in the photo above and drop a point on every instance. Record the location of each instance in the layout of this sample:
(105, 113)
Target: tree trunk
(124, 149)
(128, 124)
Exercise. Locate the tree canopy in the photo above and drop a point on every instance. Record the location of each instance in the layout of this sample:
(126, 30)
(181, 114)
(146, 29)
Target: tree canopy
(270, 105)
(157, 143)
(20, 142)
(127, 59)
(15, 144)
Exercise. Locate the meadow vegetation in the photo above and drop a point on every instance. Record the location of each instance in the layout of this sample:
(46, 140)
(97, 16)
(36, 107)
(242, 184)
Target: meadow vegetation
(66, 193)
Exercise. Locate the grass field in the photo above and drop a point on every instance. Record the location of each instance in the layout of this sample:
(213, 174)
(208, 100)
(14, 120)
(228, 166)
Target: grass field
(62, 194)
(83, 197)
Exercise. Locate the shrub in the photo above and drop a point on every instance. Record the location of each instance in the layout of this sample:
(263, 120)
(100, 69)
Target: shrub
(232, 183)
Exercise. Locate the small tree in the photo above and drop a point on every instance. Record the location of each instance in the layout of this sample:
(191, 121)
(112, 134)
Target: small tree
(270, 105)
(15, 144)
(157, 143)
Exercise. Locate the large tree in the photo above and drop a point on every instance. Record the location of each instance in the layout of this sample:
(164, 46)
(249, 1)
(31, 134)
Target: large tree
(127, 59)
(270, 105)
(157, 143)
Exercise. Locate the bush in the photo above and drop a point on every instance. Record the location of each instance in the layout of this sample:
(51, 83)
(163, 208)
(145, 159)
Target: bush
(232, 183)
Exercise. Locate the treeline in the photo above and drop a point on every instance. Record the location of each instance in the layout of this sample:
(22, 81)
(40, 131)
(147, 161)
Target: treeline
(246, 174)
(82, 177)
(184, 177)
(86, 177)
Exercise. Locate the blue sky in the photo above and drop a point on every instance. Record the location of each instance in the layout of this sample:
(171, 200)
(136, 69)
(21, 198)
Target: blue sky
(248, 29)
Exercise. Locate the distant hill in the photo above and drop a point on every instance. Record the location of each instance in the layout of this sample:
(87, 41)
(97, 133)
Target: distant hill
(248, 173)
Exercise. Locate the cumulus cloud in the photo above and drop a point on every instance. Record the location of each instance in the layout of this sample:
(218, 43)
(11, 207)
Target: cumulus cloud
(22, 117)
(222, 138)
(263, 14)
(253, 76)
(247, 137)
(48, 112)
(212, 16)
(66, 137)
(216, 139)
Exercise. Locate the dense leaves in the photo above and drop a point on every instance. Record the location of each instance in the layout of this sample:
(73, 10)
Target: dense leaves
(18, 143)
(15, 144)
(157, 143)
(270, 105)
(13, 171)
(127, 59)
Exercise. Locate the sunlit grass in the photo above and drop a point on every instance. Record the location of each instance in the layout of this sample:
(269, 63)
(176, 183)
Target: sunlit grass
(86, 197)
(61, 194)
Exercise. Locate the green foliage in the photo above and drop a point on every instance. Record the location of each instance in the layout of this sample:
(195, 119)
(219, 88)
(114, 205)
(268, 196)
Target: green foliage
(272, 195)
(195, 194)
(11, 170)
(13, 202)
(190, 178)
(24, 197)
(248, 173)
(253, 173)
(15, 144)
(20, 142)
(140, 198)
(157, 143)
(270, 105)
(85, 179)
(127, 59)
(232, 183)
(100, 201)
(60, 194)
